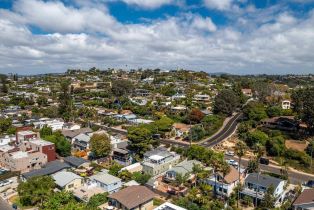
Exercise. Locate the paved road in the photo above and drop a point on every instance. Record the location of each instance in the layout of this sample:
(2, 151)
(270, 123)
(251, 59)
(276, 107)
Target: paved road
(227, 131)
(294, 176)
(4, 205)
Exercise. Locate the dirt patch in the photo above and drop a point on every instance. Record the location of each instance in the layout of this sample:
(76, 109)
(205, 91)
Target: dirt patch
(296, 145)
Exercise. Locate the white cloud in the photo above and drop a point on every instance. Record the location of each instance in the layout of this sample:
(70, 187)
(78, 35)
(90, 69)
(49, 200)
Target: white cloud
(149, 4)
(218, 4)
(263, 41)
(54, 16)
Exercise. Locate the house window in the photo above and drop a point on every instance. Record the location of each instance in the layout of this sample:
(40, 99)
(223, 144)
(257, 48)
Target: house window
(70, 185)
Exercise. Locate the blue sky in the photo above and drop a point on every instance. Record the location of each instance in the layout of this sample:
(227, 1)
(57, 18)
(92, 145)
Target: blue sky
(234, 36)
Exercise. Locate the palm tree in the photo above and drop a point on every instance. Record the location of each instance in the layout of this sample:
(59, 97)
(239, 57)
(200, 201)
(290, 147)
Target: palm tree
(181, 179)
(198, 171)
(259, 152)
(216, 161)
(240, 150)
(225, 169)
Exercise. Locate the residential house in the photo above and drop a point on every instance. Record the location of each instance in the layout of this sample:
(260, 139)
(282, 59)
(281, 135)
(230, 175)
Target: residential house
(75, 162)
(286, 123)
(159, 160)
(286, 104)
(86, 191)
(224, 185)
(54, 124)
(135, 167)
(183, 168)
(71, 134)
(71, 126)
(132, 198)
(305, 201)
(81, 141)
(26, 135)
(107, 182)
(247, 92)
(67, 180)
(202, 98)
(122, 156)
(44, 147)
(180, 130)
(256, 185)
(169, 206)
(22, 161)
(49, 169)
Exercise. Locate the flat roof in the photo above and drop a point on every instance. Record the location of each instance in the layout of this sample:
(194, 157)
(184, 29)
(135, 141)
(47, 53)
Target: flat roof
(24, 133)
(19, 154)
(156, 157)
(41, 142)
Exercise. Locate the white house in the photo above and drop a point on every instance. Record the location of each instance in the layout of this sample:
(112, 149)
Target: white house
(107, 182)
(256, 185)
(224, 185)
(286, 104)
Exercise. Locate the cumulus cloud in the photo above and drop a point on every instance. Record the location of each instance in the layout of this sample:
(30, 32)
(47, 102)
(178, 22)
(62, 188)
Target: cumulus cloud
(262, 41)
(149, 4)
(218, 4)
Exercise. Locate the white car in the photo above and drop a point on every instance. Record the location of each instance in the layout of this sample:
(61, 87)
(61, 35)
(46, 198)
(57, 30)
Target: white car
(229, 153)
(5, 182)
(232, 162)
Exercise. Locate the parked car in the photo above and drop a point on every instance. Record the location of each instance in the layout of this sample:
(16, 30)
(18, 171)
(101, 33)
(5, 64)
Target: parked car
(232, 162)
(264, 161)
(229, 153)
(5, 182)
(310, 183)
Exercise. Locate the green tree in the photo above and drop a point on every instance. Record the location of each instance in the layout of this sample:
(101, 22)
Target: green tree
(97, 200)
(181, 179)
(42, 101)
(62, 200)
(114, 169)
(310, 148)
(256, 137)
(35, 190)
(197, 132)
(45, 131)
(274, 111)
(163, 124)
(65, 100)
(226, 102)
(125, 175)
(100, 145)
(5, 124)
(63, 146)
(121, 87)
(140, 177)
(304, 105)
(140, 139)
(269, 199)
(252, 166)
(240, 151)
(255, 111)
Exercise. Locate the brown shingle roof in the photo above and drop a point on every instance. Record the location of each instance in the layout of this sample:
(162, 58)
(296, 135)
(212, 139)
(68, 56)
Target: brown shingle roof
(181, 126)
(307, 196)
(133, 196)
(73, 133)
(232, 176)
